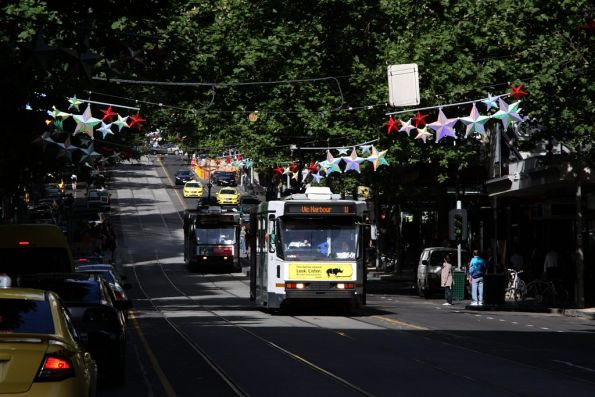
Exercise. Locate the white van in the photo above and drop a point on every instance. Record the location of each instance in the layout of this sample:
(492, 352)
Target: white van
(430, 267)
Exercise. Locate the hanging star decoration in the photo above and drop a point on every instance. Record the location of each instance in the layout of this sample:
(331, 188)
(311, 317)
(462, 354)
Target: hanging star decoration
(313, 167)
(517, 91)
(377, 158)
(317, 177)
(85, 122)
(74, 103)
(443, 126)
(490, 102)
(89, 152)
(55, 113)
(365, 148)
(352, 162)
(331, 164)
(423, 134)
(136, 121)
(474, 122)
(121, 122)
(279, 170)
(105, 129)
(343, 150)
(406, 126)
(108, 114)
(392, 124)
(508, 113)
(420, 119)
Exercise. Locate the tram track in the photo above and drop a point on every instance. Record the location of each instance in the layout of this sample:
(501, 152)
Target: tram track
(213, 364)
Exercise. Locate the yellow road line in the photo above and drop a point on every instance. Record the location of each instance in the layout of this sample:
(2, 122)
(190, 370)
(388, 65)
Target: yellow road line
(169, 390)
(401, 323)
(172, 183)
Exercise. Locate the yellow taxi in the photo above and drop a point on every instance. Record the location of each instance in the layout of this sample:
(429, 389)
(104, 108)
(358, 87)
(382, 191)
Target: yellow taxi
(228, 196)
(40, 352)
(193, 189)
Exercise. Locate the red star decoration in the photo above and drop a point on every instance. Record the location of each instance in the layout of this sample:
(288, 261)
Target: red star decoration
(420, 119)
(108, 114)
(136, 121)
(589, 27)
(217, 162)
(239, 157)
(517, 91)
(228, 159)
(313, 167)
(279, 170)
(294, 167)
(392, 124)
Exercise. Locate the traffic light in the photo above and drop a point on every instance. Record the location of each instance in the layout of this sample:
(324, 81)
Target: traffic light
(457, 225)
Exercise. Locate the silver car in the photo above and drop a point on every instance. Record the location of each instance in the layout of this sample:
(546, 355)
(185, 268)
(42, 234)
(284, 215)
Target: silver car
(430, 267)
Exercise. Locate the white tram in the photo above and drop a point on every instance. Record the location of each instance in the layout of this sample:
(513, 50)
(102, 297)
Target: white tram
(308, 247)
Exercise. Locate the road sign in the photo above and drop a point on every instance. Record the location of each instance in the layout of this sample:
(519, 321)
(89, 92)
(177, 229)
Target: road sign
(403, 85)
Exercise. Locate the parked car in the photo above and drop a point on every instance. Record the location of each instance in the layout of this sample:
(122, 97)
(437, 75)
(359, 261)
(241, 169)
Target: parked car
(224, 178)
(228, 196)
(430, 267)
(183, 176)
(109, 274)
(97, 316)
(42, 354)
(193, 189)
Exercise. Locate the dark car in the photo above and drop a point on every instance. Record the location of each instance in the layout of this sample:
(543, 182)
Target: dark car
(224, 178)
(97, 316)
(430, 267)
(109, 274)
(183, 176)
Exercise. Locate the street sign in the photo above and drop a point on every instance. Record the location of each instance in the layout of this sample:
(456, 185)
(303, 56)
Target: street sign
(403, 85)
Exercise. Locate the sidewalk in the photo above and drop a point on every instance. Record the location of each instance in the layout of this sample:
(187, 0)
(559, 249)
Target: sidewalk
(404, 283)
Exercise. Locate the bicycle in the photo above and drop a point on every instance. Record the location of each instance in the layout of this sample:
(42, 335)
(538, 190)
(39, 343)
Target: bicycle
(516, 289)
(545, 292)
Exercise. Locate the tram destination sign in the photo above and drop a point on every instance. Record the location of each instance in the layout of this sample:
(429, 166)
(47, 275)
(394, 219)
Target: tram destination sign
(319, 209)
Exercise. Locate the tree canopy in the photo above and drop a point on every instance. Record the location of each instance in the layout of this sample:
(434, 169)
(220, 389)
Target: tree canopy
(314, 71)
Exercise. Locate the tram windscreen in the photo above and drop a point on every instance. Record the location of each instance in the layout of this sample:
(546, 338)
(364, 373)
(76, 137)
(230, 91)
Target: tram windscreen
(215, 235)
(317, 239)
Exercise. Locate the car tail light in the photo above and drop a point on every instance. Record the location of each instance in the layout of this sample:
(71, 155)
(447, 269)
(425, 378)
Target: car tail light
(345, 285)
(99, 315)
(55, 368)
(24, 243)
(294, 285)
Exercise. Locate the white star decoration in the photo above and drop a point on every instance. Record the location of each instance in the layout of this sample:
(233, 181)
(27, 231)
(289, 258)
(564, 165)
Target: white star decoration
(423, 134)
(85, 122)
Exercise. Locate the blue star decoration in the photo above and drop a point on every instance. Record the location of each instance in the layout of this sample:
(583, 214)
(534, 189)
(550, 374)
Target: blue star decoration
(490, 102)
(317, 176)
(365, 148)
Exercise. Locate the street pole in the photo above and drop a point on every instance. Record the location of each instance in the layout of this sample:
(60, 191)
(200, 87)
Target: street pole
(459, 207)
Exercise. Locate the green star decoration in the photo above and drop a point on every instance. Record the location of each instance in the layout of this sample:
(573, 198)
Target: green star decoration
(74, 103)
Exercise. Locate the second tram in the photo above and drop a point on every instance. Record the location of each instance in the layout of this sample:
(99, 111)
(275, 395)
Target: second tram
(212, 237)
(308, 247)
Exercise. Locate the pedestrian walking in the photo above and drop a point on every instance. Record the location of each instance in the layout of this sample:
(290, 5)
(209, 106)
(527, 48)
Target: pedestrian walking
(550, 265)
(446, 280)
(73, 180)
(477, 269)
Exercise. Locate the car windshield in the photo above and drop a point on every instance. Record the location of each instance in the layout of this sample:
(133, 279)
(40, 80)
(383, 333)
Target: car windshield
(25, 316)
(215, 235)
(193, 184)
(313, 239)
(183, 173)
(106, 274)
(228, 191)
(69, 289)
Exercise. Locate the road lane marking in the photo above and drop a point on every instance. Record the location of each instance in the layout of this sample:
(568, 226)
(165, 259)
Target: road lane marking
(169, 390)
(401, 323)
(574, 365)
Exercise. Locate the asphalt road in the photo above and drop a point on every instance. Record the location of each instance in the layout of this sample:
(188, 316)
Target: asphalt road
(198, 334)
